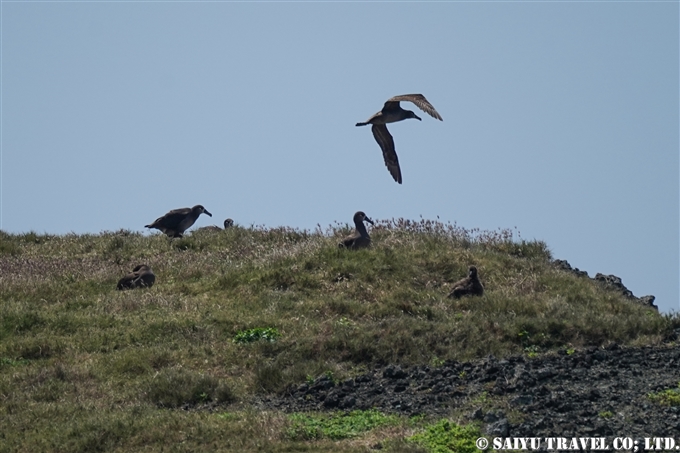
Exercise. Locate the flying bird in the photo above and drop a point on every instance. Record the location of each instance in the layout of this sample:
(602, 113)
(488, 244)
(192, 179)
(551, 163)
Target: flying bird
(391, 113)
(360, 238)
(177, 221)
(469, 285)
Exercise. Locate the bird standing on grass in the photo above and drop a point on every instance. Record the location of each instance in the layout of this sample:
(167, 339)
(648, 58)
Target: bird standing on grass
(177, 221)
(469, 285)
(360, 238)
(391, 113)
(141, 277)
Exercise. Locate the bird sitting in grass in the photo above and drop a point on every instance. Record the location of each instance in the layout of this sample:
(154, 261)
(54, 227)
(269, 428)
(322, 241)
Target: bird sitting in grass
(227, 224)
(141, 277)
(470, 285)
(360, 238)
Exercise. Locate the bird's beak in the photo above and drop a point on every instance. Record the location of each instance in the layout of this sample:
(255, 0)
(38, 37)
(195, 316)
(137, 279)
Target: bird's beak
(205, 211)
(369, 220)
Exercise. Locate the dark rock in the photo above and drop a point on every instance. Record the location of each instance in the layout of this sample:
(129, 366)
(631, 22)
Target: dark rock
(332, 400)
(565, 266)
(500, 428)
(477, 414)
(523, 400)
(322, 383)
(560, 395)
(648, 301)
(613, 282)
(545, 373)
(599, 355)
(490, 417)
(348, 402)
(394, 372)
(608, 281)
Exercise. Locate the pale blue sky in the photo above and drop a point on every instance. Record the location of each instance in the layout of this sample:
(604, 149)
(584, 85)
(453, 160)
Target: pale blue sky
(560, 119)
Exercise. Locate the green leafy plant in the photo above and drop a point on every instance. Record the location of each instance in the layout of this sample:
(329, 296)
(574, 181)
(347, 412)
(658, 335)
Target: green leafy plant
(258, 333)
(532, 351)
(337, 425)
(447, 437)
(668, 397)
(6, 361)
(345, 322)
(437, 362)
(606, 414)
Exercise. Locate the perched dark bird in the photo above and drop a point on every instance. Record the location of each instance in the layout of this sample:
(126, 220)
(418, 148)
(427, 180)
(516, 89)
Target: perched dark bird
(177, 221)
(469, 285)
(391, 113)
(227, 224)
(360, 238)
(141, 277)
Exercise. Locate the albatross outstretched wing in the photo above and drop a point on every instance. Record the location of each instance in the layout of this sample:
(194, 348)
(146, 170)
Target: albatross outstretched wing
(384, 139)
(418, 99)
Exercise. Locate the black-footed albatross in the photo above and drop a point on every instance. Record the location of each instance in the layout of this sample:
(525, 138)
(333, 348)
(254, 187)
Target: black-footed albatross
(228, 223)
(360, 238)
(469, 285)
(141, 277)
(177, 221)
(391, 113)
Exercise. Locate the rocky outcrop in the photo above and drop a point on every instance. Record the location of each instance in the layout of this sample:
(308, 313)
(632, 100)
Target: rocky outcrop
(592, 392)
(608, 281)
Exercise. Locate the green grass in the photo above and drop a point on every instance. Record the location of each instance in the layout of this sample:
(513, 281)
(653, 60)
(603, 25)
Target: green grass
(82, 364)
(668, 397)
(447, 437)
(257, 333)
(337, 425)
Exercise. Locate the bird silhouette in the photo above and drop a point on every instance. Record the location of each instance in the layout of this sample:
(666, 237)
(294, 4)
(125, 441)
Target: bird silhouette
(391, 113)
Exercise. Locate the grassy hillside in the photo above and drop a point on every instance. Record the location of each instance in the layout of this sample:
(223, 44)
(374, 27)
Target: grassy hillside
(84, 367)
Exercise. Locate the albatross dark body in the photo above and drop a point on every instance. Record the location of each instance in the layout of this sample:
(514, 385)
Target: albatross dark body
(391, 113)
(177, 221)
(360, 238)
(141, 277)
(470, 285)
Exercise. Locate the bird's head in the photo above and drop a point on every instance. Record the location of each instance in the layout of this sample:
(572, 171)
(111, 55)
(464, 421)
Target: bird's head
(473, 271)
(360, 216)
(200, 210)
(228, 223)
(410, 114)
